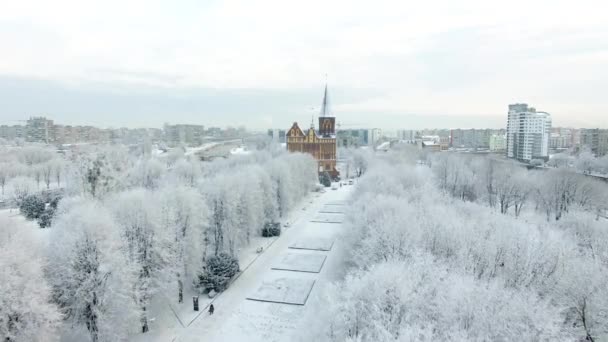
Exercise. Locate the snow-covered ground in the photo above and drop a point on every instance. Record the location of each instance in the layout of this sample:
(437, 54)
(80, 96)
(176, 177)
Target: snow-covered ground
(237, 318)
(240, 150)
(193, 150)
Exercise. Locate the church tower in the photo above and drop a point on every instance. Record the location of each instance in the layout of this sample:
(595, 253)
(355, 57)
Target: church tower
(320, 144)
(327, 122)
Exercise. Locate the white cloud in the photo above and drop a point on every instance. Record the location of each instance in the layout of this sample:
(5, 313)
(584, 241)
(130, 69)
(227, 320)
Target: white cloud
(437, 56)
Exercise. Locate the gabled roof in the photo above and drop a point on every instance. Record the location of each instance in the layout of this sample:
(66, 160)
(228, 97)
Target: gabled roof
(295, 131)
(316, 134)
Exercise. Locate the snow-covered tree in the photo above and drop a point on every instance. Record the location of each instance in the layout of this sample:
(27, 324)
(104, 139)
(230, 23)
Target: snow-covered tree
(47, 172)
(21, 187)
(187, 171)
(4, 176)
(88, 270)
(147, 244)
(26, 310)
(147, 173)
(184, 214)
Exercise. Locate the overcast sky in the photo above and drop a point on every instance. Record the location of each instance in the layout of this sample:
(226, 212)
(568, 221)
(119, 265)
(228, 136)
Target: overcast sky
(262, 63)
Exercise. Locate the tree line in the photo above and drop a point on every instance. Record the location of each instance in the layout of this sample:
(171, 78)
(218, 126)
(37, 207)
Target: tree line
(453, 248)
(132, 227)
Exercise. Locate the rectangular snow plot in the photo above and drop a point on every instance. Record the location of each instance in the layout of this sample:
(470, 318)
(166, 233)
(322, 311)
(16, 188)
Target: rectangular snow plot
(336, 203)
(332, 209)
(298, 262)
(316, 244)
(328, 218)
(284, 290)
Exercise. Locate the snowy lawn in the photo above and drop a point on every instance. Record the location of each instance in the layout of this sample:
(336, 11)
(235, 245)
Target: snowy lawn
(336, 203)
(313, 243)
(282, 289)
(300, 262)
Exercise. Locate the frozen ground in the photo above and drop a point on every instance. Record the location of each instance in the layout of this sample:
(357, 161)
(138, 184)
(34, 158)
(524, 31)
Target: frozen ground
(238, 319)
(300, 262)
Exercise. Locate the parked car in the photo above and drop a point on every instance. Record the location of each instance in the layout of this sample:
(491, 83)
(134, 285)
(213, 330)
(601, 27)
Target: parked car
(334, 187)
(350, 182)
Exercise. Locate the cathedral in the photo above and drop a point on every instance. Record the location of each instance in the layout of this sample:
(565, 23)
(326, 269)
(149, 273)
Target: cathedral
(321, 144)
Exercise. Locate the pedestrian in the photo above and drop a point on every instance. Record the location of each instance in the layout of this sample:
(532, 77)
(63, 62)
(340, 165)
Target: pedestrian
(211, 309)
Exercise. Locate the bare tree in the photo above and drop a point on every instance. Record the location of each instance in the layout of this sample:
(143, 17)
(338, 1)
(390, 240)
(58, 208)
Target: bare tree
(47, 169)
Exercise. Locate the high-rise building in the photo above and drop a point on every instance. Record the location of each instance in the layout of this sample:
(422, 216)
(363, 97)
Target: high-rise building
(320, 144)
(596, 140)
(528, 133)
(374, 136)
(39, 129)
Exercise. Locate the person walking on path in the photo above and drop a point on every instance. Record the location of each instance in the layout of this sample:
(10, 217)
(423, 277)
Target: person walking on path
(211, 309)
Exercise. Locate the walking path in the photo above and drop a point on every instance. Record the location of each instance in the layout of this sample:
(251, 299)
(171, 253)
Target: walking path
(238, 319)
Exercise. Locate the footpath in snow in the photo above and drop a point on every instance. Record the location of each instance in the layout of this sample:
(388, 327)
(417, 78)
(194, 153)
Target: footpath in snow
(268, 300)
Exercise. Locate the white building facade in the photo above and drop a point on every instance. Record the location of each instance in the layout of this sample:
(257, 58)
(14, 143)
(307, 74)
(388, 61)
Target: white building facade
(374, 135)
(528, 133)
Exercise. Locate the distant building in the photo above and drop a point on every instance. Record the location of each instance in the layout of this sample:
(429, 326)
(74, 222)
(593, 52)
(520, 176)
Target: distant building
(183, 134)
(408, 136)
(563, 138)
(353, 137)
(498, 143)
(374, 136)
(277, 135)
(471, 138)
(214, 131)
(39, 129)
(527, 133)
(320, 144)
(12, 132)
(429, 145)
(596, 140)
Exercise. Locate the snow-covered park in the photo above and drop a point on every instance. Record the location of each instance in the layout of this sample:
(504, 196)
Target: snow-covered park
(238, 318)
(453, 248)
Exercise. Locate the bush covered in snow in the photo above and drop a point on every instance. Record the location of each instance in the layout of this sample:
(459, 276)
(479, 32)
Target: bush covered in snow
(32, 207)
(217, 272)
(325, 179)
(271, 229)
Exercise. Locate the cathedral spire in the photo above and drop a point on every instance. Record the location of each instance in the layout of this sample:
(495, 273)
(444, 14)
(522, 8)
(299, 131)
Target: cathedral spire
(325, 106)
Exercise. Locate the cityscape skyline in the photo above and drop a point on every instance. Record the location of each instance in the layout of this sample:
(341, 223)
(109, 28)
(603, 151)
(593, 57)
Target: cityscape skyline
(259, 113)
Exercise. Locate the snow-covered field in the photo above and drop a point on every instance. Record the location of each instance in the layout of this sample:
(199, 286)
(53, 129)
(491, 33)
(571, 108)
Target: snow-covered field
(283, 289)
(238, 319)
(313, 243)
(300, 262)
